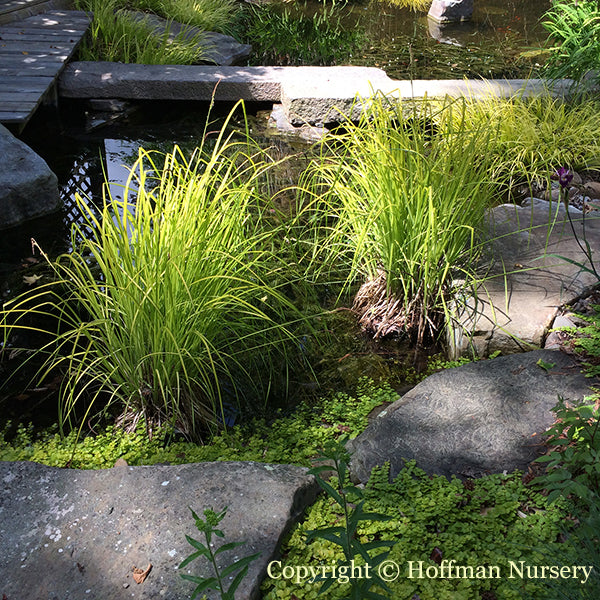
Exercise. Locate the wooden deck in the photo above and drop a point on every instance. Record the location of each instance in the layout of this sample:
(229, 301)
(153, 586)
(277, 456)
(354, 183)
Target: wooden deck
(33, 53)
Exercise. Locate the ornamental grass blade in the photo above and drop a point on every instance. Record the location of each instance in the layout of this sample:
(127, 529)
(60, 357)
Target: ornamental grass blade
(203, 584)
(190, 558)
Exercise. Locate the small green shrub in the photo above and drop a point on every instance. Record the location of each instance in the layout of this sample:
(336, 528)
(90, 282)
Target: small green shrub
(587, 342)
(573, 464)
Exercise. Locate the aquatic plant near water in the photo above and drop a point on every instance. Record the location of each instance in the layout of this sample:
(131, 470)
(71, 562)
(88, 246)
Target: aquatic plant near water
(170, 306)
(574, 28)
(401, 201)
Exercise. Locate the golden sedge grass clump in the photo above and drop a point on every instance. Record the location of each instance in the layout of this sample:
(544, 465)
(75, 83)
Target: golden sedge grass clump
(170, 307)
(535, 136)
(400, 203)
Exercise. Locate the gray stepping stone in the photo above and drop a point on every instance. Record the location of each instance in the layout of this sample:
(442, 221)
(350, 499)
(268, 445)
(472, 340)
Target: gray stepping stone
(480, 418)
(535, 246)
(77, 535)
(28, 188)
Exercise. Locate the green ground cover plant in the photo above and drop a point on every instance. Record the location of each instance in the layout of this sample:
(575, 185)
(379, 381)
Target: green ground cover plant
(173, 311)
(486, 521)
(573, 461)
(402, 201)
(285, 438)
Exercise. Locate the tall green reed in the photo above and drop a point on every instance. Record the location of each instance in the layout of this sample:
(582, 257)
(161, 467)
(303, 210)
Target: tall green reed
(170, 306)
(401, 202)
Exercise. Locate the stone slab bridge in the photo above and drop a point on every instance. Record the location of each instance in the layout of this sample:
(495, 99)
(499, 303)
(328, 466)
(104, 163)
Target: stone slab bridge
(308, 95)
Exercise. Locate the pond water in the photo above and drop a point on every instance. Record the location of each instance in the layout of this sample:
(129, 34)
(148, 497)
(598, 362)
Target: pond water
(503, 39)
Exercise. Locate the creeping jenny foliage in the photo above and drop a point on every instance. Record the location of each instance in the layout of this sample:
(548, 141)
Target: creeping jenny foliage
(294, 439)
(487, 521)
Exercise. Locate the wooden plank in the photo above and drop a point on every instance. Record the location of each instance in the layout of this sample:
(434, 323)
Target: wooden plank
(11, 60)
(7, 116)
(38, 69)
(19, 107)
(41, 36)
(11, 5)
(22, 26)
(56, 19)
(25, 84)
(19, 4)
(22, 98)
(34, 47)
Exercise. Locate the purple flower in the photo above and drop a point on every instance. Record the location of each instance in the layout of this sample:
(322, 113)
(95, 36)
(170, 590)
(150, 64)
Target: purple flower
(564, 177)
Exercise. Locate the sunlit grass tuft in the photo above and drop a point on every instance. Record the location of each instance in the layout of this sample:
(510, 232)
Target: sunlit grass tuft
(535, 136)
(209, 15)
(402, 202)
(119, 35)
(116, 36)
(170, 306)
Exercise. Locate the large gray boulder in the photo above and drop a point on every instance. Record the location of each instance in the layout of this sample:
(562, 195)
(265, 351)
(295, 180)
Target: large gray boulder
(28, 188)
(79, 534)
(480, 418)
(533, 266)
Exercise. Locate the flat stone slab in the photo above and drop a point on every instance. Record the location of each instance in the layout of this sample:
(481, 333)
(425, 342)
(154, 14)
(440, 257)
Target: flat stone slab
(480, 418)
(514, 314)
(324, 95)
(71, 534)
(170, 82)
